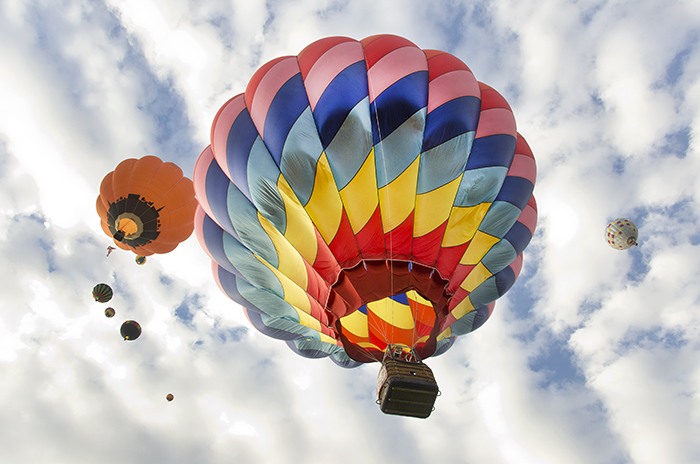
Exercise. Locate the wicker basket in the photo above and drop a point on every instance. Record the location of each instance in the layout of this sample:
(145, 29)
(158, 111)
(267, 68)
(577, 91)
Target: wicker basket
(406, 388)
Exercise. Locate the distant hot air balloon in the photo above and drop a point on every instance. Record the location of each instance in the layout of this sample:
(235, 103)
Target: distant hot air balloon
(621, 234)
(146, 205)
(102, 293)
(140, 260)
(109, 312)
(169, 397)
(130, 330)
(366, 197)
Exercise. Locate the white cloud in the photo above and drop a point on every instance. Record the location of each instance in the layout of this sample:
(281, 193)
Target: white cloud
(592, 358)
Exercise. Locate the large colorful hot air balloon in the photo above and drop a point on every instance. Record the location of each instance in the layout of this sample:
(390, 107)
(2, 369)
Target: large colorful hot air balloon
(147, 206)
(366, 195)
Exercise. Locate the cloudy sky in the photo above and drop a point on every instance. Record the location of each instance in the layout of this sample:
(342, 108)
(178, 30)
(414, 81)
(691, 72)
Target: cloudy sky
(592, 357)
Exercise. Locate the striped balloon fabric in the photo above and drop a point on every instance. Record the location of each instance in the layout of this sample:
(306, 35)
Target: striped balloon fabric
(366, 193)
(102, 293)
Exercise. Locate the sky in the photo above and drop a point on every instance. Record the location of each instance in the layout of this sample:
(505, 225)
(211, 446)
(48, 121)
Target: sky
(592, 357)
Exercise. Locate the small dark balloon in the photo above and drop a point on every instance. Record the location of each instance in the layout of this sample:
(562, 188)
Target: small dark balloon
(140, 260)
(130, 330)
(102, 293)
(169, 397)
(109, 312)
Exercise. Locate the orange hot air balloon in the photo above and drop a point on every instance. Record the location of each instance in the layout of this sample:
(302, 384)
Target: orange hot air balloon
(147, 205)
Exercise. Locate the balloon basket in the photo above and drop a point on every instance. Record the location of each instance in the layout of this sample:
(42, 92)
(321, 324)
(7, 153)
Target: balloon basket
(406, 388)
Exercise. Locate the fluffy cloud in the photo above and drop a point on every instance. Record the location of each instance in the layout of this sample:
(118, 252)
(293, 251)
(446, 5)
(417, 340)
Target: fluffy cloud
(592, 357)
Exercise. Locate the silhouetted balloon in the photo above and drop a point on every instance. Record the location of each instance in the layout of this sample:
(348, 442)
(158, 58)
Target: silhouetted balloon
(169, 397)
(109, 312)
(621, 234)
(366, 193)
(130, 330)
(102, 293)
(146, 205)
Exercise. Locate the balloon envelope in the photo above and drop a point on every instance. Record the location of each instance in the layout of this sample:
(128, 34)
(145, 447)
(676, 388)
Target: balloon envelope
(102, 293)
(366, 193)
(621, 234)
(109, 312)
(130, 330)
(146, 205)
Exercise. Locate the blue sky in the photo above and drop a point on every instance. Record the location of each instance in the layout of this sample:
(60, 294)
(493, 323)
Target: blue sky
(592, 357)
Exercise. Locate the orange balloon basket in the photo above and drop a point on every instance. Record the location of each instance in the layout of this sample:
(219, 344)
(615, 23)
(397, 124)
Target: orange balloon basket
(406, 387)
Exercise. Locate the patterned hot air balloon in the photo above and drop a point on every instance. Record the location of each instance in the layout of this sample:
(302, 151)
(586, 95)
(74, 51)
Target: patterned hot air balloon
(621, 234)
(364, 195)
(147, 206)
(102, 293)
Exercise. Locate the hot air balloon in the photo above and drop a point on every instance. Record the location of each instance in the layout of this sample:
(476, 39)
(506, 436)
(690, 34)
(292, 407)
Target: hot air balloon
(102, 293)
(169, 397)
(130, 330)
(140, 260)
(368, 201)
(110, 312)
(621, 234)
(146, 205)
